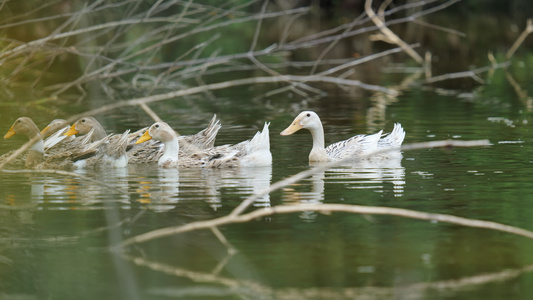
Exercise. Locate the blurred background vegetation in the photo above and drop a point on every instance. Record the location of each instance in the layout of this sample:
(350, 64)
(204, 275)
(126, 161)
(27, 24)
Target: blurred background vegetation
(55, 53)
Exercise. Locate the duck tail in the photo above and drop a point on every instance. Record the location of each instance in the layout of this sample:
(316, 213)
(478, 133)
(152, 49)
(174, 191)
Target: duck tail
(115, 154)
(204, 139)
(210, 132)
(394, 138)
(257, 150)
(370, 142)
(260, 141)
(122, 142)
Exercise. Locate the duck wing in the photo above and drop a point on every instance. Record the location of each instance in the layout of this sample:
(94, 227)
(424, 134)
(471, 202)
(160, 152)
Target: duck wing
(359, 145)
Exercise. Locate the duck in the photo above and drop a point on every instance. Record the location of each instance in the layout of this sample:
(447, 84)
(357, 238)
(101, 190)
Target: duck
(113, 147)
(86, 125)
(355, 147)
(249, 153)
(150, 151)
(54, 126)
(36, 158)
(26, 126)
(111, 152)
(53, 133)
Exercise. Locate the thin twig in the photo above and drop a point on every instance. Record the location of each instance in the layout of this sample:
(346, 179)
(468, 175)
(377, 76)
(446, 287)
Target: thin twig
(232, 83)
(360, 61)
(520, 39)
(391, 35)
(150, 112)
(326, 208)
(472, 74)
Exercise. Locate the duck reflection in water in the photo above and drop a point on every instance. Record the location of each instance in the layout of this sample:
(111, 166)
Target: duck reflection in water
(159, 188)
(244, 180)
(363, 174)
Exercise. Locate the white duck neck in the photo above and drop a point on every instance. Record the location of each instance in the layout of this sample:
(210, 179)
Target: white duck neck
(171, 154)
(38, 146)
(318, 153)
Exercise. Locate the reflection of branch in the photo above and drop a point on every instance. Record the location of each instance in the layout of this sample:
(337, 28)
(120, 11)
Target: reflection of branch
(520, 39)
(246, 287)
(193, 275)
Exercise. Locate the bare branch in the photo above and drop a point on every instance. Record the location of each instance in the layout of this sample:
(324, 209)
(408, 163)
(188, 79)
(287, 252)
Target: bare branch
(472, 74)
(520, 39)
(233, 83)
(391, 35)
(326, 208)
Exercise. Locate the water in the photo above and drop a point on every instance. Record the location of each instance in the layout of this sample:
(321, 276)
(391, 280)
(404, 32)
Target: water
(57, 230)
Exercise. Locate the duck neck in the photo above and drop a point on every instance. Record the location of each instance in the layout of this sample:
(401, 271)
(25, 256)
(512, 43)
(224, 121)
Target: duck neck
(172, 149)
(99, 133)
(38, 146)
(36, 152)
(318, 152)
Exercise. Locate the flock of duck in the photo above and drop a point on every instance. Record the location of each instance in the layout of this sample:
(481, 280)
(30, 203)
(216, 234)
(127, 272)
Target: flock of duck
(86, 144)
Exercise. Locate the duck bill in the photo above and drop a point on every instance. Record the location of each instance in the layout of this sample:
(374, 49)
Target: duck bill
(71, 131)
(295, 126)
(145, 137)
(10, 133)
(43, 132)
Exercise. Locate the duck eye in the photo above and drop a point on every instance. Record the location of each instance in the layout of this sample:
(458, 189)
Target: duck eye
(83, 120)
(156, 125)
(308, 114)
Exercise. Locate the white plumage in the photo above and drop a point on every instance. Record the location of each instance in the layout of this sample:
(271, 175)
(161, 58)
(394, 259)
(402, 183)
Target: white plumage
(357, 146)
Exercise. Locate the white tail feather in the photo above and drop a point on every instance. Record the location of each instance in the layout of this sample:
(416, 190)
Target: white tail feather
(394, 138)
(258, 150)
(55, 138)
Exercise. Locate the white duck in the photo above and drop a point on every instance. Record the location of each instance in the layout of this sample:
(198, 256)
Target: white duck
(356, 146)
(250, 153)
(151, 151)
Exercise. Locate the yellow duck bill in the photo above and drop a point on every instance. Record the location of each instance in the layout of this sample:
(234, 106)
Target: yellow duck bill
(71, 131)
(10, 133)
(145, 137)
(295, 126)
